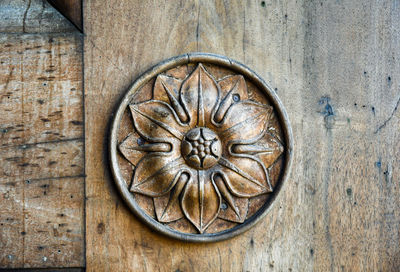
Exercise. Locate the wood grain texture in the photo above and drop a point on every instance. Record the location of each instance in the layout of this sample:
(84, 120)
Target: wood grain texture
(41, 88)
(41, 132)
(352, 95)
(42, 222)
(334, 66)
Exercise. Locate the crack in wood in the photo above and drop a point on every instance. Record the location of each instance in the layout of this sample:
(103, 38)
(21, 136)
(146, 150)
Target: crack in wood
(390, 117)
(25, 14)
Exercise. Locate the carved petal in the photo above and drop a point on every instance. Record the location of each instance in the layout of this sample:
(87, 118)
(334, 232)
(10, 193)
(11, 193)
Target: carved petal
(233, 90)
(268, 148)
(234, 83)
(155, 175)
(199, 94)
(201, 202)
(234, 208)
(131, 154)
(168, 207)
(164, 82)
(166, 90)
(156, 120)
(245, 177)
(245, 120)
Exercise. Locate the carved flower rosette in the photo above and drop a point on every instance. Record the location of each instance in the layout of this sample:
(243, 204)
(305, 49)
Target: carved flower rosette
(198, 148)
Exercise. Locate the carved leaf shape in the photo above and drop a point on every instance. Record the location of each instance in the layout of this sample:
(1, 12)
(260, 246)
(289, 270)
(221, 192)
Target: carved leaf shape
(235, 83)
(245, 176)
(164, 83)
(233, 90)
(269, 142)
(199, 95)
(156, 121)
(168, 207)
(126, 147)
(155, 175)
(200, 202)
(265, 147)
(166, 212)
(166, 90)
(244, 120)
(234, 208)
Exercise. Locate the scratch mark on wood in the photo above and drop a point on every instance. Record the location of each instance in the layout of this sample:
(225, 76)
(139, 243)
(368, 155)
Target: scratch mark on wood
(198, 28)
(326, 206)
(390, 117)
(108, 59)
(55, 178)
(26, 146)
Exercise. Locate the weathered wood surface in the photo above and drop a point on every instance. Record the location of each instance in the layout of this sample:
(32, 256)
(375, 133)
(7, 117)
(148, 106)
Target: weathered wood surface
(41, 132)
(41, 223)
(335, 66)
(41, 98)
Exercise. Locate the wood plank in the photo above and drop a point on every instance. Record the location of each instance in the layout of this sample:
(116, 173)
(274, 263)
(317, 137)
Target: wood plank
(42, 223)
(32, 16)
(43, 160)
(42, 189)
(40, 88)
(41, 132)
(334, 66)
(115, 238)
(352, 95)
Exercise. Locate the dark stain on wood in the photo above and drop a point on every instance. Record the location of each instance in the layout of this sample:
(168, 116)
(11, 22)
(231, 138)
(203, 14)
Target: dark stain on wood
(101, 228)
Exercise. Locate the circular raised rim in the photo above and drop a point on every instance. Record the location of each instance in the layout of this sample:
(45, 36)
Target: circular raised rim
(255, 79)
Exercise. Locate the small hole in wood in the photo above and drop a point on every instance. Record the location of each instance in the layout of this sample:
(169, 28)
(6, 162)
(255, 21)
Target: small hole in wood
(236, 97)
(224, 206)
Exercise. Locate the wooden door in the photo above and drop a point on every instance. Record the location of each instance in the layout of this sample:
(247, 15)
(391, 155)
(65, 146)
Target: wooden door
(333, 64)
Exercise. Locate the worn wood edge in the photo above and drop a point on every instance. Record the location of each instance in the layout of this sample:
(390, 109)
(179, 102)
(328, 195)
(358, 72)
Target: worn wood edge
(254, 78)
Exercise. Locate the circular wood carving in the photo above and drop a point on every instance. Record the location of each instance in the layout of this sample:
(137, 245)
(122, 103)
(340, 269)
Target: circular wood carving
(200, 147)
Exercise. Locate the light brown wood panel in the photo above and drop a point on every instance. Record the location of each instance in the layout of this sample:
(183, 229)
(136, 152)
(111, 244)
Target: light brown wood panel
(41, 88)
(334, 65)
(42, 222)
(42, 160)
(41, 136)
(351, 134)
(133, 45)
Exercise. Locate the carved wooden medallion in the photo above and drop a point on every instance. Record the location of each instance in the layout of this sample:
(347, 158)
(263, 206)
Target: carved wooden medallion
(200, 147)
